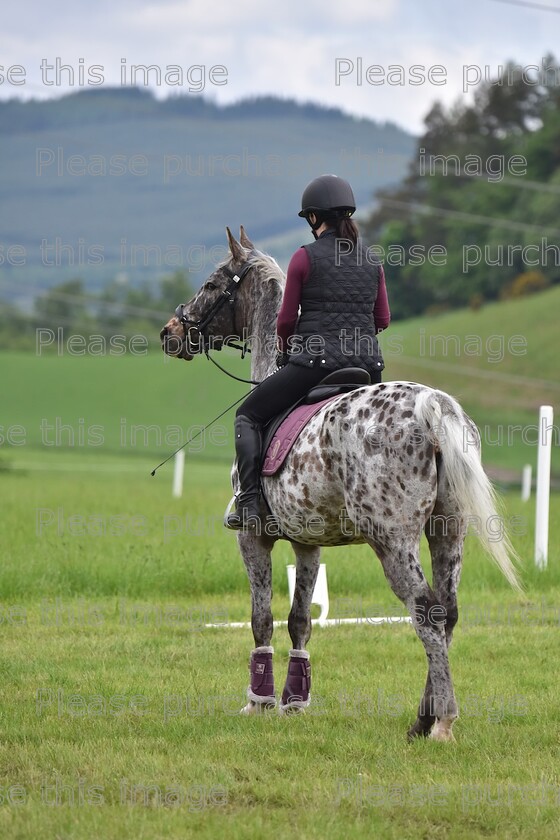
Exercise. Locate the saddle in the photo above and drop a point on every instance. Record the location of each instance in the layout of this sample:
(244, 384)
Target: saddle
(280, 434)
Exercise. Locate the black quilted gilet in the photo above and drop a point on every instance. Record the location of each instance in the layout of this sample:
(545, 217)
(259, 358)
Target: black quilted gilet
(335, 328)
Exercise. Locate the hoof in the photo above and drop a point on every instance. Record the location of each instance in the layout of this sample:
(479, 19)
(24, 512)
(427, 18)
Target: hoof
(291, 709)
(442, 731)
(253, 708)
(418, 730)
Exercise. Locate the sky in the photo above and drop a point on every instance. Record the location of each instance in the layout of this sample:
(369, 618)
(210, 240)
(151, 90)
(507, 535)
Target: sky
(421, 51)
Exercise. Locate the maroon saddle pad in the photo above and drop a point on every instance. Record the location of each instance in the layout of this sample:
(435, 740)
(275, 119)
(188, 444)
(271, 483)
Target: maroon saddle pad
(287, 433)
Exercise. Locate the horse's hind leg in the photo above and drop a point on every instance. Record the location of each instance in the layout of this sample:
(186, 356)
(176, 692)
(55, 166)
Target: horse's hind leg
(256, 553)
(400, 561)
(297, 689)
(445, 532)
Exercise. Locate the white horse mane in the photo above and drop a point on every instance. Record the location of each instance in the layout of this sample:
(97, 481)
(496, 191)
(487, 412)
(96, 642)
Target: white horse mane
(269, 270)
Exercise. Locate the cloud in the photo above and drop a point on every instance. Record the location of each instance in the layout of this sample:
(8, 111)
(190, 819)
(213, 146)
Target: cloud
(288, 50)
(250, 18)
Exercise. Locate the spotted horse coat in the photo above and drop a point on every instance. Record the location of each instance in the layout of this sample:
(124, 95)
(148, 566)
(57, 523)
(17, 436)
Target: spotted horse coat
(341, 472)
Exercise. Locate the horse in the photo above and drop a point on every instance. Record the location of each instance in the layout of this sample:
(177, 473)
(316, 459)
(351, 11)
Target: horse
(380, 465)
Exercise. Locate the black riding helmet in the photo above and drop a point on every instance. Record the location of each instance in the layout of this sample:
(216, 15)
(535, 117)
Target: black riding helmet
(328, 197)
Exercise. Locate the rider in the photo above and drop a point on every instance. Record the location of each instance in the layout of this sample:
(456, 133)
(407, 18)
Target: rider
(341, 297)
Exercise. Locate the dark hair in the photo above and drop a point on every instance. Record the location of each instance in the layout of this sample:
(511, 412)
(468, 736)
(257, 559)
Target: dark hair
(343, 225)
(347, 229)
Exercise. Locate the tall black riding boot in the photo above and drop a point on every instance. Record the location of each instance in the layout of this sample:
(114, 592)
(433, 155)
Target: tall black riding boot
(248, 448)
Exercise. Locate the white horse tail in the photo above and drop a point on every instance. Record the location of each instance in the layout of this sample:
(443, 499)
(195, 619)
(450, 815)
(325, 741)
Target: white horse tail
(457, 438)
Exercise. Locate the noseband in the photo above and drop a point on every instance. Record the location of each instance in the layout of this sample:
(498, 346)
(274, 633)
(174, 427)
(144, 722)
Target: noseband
(227, 295)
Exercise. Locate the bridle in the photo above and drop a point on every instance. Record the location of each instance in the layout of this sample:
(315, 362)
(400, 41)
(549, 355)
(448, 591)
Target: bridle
(227, 296)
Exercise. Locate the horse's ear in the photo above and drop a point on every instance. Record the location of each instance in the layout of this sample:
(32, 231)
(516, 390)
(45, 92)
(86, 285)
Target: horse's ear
(244, 239)
(234, 247)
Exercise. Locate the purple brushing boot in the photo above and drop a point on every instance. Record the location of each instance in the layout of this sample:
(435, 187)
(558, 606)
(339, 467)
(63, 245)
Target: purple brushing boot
(261, 690)
(297, 690)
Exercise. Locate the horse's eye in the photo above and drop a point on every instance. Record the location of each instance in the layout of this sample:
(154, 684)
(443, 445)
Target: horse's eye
(209, 286)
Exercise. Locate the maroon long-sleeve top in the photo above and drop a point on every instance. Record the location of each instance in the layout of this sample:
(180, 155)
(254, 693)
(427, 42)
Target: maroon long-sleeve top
(298, 273)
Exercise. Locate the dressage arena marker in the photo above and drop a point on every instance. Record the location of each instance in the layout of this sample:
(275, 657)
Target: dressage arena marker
(546, 416)
(321, 597)
(178, 474)
(526, 483)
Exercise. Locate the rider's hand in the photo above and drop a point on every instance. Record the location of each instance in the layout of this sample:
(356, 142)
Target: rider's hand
(281, 359)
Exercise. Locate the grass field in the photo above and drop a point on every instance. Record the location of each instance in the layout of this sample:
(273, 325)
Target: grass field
(118, 711)
(500, 362)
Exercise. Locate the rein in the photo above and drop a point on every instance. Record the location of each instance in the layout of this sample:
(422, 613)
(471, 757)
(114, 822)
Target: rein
(231, 375)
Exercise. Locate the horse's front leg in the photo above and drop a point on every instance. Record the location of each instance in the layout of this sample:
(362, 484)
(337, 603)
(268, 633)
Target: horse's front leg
(256, 553)
(297, 689)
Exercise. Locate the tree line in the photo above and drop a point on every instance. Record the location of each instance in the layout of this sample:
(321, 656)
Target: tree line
(117, 309)
(484, 186)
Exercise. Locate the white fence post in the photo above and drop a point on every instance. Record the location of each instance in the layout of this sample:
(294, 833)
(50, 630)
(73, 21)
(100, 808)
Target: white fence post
(178, 474)
(546, 416)
(526, 483)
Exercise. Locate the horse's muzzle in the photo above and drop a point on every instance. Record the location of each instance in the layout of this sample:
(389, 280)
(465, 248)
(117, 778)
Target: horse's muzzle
(173, 344)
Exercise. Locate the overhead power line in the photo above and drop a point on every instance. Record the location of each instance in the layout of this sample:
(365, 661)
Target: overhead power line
(539, 6)
(508, 180)
(120, 309)
(479, 373)
(468, 217)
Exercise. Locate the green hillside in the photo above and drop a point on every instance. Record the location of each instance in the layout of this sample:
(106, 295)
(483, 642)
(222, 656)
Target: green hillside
(502, 356)
(99, 400)
(127, 184)
(501, 362)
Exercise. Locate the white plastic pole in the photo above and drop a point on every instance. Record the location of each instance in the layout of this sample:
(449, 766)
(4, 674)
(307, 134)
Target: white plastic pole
(546, 416)
(526, 483)
(320, 593)
(178, 474)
